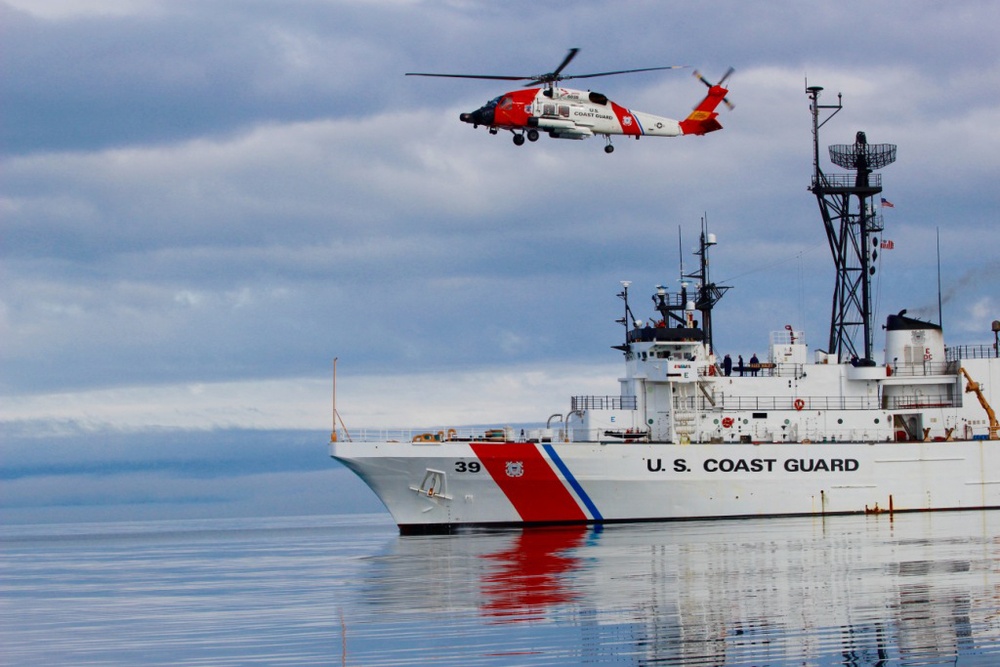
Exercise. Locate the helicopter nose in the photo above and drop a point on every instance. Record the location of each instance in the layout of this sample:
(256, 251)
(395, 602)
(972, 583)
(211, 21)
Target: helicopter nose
(481, 116)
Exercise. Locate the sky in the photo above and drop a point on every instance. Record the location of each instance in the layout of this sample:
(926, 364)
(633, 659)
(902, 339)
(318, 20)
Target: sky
(203, 203)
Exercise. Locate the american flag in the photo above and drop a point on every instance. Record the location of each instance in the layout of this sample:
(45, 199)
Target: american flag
(887, 204)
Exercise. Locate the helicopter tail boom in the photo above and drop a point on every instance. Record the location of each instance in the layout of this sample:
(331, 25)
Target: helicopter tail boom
(704, 117)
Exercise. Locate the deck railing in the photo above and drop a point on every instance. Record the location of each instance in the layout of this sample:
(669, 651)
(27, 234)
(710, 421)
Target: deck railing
(430, 436)
(914, 402)
(762, 403)
(763, 369)
(603, 403)
(925, 369)
(959, 352)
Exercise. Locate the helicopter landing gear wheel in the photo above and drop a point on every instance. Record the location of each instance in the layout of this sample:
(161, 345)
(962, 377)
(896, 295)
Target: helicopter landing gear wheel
(609, 149)
(518, 139)
(532, 135)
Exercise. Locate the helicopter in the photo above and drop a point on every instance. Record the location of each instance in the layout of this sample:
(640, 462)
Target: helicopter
(564, 113)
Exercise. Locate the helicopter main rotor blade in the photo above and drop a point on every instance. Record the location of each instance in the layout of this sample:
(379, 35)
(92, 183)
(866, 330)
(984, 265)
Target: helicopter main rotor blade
(471, 76)
(555, 75)
(537, 78)
(622, 71)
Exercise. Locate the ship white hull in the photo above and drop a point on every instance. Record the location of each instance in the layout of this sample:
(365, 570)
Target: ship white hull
(447, 484)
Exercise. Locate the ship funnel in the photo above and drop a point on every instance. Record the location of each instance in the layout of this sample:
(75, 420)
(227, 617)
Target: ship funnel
(912, 342)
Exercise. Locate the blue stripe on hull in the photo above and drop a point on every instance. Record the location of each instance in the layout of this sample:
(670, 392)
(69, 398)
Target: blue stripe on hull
(591, 507)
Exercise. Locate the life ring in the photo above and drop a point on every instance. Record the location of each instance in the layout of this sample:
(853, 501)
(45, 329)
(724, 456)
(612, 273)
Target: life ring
(727, 422)
(799, 404)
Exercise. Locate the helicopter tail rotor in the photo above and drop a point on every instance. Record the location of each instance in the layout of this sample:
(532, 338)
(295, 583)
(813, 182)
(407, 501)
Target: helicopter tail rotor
(729, 72)
(704, 118)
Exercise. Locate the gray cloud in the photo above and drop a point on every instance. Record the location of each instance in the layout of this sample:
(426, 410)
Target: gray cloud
(199, 192)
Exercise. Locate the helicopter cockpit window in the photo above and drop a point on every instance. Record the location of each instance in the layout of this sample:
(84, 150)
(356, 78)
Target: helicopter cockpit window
(506, 103)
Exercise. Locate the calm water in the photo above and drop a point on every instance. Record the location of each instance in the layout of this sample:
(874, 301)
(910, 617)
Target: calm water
(347, 590)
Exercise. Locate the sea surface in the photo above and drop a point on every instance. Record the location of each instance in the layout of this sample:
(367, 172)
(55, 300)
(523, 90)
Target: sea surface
(909, 589)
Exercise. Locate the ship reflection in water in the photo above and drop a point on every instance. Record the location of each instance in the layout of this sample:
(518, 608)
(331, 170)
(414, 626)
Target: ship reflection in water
(914, 589)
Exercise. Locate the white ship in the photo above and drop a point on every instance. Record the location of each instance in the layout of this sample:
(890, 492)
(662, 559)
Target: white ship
(689, 435)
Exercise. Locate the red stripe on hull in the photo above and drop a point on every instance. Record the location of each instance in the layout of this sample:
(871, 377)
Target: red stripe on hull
(528, 481)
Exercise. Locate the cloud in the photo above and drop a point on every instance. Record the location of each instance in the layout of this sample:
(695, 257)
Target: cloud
(203, 203)
(418, 400)
(64, 9)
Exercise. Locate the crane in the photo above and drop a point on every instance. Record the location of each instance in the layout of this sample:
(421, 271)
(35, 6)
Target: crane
(973, 386)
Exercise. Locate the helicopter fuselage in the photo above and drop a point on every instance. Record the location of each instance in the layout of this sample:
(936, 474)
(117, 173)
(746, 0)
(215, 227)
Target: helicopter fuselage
(565, 113)
(568, 114)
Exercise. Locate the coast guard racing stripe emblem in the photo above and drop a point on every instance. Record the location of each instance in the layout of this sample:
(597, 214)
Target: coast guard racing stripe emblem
(515, 468)
(529, 482)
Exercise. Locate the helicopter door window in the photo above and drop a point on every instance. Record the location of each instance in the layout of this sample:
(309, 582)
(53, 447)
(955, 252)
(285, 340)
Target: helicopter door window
(564, 110)
(506, 103)
(548, 109)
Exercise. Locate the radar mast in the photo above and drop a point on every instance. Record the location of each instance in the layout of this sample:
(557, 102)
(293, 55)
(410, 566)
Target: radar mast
(847, 204)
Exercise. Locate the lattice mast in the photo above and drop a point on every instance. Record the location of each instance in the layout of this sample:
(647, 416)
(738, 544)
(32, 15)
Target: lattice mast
(707, 292)
(847, 204)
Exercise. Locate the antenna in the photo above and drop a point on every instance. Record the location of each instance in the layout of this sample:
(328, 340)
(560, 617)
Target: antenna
(628, 320)
(708, 293)
(940, 316)
(336, 415)
(680, 250)
(850, 231)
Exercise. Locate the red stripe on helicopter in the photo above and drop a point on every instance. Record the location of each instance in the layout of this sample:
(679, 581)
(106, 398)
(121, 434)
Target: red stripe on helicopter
(630, 124)
(529, 482)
